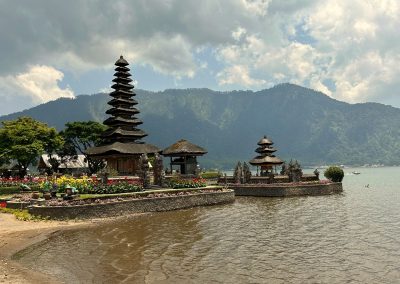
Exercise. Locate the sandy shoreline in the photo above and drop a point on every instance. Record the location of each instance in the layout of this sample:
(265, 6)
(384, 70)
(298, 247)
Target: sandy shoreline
(17, 235)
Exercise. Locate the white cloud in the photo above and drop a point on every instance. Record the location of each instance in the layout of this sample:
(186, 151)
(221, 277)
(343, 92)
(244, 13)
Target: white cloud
(358, 36)
(257, 7)
(238, 75)
(39, 84)
(353, 45)
(238, 33)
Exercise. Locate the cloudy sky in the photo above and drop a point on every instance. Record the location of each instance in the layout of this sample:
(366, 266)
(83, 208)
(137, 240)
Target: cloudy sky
(349, 50)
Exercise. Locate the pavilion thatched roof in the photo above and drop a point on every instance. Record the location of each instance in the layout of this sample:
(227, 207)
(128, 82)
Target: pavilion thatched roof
(183, 147)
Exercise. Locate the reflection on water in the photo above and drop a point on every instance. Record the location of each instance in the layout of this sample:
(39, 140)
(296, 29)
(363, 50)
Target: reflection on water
(353, 237)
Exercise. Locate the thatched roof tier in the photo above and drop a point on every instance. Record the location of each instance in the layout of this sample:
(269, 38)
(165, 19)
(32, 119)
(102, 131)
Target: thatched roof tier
(265, 141)
(119, 86)
(122, 94)
(265, 160)
(122, 75)
(121, 62)
(182, 148)
(120, 101)
(121, 110)
(123, 148)
(122, 69)
(264, 149)
(121, 121)
(123, 80)
(122, 132)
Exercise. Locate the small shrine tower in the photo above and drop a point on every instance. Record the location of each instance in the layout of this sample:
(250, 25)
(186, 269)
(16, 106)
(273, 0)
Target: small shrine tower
(265, 160)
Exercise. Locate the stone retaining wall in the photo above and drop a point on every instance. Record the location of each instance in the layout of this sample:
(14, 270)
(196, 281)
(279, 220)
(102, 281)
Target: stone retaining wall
(266, 180)
(270, 190)
(119, 208)
(17, 205)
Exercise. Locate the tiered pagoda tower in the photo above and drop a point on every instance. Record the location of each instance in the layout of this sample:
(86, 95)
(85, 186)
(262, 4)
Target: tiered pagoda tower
(123, 122)
(266, 160)
(122, 145)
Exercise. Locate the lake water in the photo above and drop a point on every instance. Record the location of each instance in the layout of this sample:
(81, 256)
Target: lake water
(353, 237)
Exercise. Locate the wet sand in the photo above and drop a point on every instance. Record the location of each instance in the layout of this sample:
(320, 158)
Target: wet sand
(16, 235)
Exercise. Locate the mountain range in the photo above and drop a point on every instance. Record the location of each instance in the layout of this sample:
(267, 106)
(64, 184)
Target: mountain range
(304, 124)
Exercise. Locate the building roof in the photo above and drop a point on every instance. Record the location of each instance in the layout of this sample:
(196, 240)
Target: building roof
(117, 119)
(119, 101)
(183, 147)
(265, 141)
(125, 133)
(121, 61)
(123, 148)
(264, 149)
(78, 163)
(265, 160)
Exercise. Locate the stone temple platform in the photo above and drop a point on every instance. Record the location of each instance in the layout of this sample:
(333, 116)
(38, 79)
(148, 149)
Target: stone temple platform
(285, 190)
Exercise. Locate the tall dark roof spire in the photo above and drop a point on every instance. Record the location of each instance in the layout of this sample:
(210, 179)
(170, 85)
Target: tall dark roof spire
(122, 146)
(123, 122)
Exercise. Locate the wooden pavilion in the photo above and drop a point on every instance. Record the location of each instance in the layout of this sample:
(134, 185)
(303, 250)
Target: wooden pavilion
(183, 154)
(265, 160)
(122, 145)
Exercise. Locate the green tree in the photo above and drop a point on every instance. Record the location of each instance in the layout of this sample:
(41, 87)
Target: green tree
(55, 142)
(66, 153)
(246, 173)
(83, 135)
(238, 173)
(24, 139)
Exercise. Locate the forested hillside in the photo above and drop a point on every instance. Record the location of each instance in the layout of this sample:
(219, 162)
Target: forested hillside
(304, 124)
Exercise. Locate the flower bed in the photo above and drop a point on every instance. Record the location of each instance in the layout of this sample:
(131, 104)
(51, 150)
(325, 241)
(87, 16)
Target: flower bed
(117, 186)
(87, 185)
(12, 182)
(16, 185)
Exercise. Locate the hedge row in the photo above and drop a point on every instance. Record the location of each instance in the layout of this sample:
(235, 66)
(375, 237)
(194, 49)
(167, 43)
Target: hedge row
(210, 175)
(14, 189)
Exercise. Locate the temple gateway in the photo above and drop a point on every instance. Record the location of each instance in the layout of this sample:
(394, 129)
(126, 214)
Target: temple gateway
(122, 146)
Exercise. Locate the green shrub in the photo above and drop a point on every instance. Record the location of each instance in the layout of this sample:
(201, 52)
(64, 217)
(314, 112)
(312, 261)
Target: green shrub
(334, 173)
(210, 175)
(22, 215)
(15, 189)
(187, 183)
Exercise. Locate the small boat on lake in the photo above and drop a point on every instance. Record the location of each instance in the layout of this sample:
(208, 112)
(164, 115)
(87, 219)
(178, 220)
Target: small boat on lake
(356, 173)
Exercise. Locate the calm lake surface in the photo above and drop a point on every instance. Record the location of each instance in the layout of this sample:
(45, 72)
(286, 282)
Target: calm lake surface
(349, 238)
